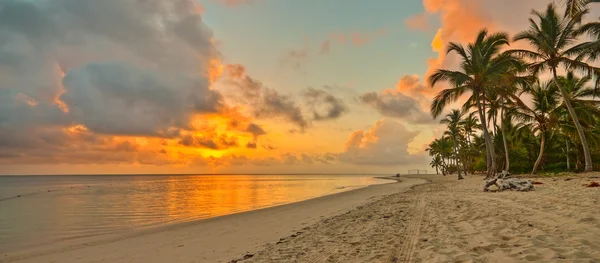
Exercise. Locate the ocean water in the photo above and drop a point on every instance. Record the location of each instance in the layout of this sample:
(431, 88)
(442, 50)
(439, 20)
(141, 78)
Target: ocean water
(38, 210)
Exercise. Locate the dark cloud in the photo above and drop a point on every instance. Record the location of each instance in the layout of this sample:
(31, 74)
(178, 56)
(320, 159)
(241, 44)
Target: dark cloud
(265, 102)
(324, 105)
(255, 130)
(269, 147)
(215, 143)
(275, 104)
(130, 67)
(114, 98)
(396, 105)
(55, 145)
(251, 145)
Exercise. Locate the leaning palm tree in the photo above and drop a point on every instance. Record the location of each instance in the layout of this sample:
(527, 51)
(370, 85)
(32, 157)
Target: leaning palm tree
(586, 106)
(482, 64)
(453, 119)
(551, 38)
(542, 116)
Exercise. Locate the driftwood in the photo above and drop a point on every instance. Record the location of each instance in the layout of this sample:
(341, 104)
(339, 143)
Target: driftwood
(503, 182)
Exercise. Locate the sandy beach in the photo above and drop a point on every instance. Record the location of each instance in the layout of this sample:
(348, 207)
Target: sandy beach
(455, 221)
(421, 219)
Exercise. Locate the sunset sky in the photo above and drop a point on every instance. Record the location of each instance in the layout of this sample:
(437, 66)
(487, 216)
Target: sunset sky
(228, 86)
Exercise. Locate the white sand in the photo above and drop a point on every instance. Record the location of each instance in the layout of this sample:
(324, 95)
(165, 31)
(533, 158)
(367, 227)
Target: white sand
(455, 221)
(220, 239)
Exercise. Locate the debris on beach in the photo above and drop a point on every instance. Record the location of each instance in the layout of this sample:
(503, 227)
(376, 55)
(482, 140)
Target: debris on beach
(502, 182)
(536, 182)
(592, 184)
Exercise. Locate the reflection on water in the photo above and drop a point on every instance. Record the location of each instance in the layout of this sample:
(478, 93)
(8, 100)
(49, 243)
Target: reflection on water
(35, 210)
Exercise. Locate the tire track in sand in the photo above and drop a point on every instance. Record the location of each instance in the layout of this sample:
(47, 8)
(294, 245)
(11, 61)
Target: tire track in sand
(412, 233)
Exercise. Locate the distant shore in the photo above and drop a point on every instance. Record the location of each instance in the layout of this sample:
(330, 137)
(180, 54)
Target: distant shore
(218, 239)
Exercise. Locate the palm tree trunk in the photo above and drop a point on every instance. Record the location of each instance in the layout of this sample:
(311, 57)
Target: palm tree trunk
(491, 158)
(539, 159)
(436, 170)
(568, 162)
(586, 149)
(456, 158)
(443, 167)
(464, 163)
(503, 130)
(495, 117)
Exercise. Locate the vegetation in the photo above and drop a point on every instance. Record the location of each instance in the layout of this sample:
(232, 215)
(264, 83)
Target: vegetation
(534, 109)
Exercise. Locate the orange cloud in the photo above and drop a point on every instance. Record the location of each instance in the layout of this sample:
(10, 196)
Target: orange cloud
(461, 20)
(437, 44)
(215, 70)
(386, 143)
(61, 90)
(417, 22)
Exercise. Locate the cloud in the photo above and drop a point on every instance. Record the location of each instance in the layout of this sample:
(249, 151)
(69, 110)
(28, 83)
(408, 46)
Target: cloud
(363, 38)
(115, 98)
(324, 105)
(92, 77)
(385, 144)
(73, 145)
(255, 130)
(296, 57)
(417, 22)
(396, 103)
(266, 102)
(274, 104)
(461, 20)
(209, 142)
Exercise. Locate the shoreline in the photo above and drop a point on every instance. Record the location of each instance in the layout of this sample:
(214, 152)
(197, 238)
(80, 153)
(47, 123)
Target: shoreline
(314, 209)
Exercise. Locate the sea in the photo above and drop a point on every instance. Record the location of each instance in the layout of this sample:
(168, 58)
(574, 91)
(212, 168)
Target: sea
(39, 210)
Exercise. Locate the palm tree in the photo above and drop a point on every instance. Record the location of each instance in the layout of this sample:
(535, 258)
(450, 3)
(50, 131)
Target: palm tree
(453, 119)
(436, 162)
(505, 95)
(440, 148)
(551, 38)
(575, 7)
(468, 126)
(541, 117)
(585, 105)
(482, 64)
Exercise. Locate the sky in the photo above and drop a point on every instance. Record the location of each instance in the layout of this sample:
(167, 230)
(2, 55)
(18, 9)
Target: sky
(229, 86)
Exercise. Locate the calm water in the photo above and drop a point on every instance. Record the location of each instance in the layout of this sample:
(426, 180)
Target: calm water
(57, 208)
